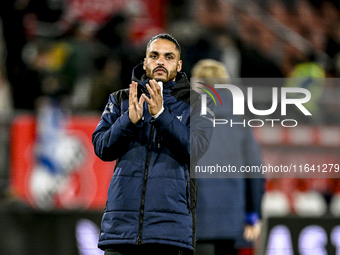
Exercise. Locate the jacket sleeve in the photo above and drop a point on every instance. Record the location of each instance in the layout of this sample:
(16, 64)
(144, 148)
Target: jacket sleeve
(114, 132)
(255, 182)
(188, 141)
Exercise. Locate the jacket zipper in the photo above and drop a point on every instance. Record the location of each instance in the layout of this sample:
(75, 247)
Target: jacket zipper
(141, 216)
(187, 190)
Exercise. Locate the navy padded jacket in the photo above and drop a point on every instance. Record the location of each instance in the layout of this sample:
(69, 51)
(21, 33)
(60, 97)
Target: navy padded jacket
(151, 197)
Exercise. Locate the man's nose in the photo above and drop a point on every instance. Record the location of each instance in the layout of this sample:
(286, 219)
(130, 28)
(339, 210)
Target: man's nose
(160, 61)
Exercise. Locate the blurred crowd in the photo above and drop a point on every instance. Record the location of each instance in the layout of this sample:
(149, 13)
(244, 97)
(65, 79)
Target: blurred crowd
(79, 51)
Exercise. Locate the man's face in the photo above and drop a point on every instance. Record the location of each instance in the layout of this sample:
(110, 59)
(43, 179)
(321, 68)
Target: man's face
(162, 61)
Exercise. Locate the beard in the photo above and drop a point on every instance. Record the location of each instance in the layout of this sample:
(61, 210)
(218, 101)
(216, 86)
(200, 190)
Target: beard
(169, 76)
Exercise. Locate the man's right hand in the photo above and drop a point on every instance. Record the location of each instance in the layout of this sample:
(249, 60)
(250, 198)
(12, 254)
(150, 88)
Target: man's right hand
(135, 107)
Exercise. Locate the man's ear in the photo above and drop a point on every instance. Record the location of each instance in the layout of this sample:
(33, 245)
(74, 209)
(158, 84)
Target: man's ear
(144, 64)
(179, 66)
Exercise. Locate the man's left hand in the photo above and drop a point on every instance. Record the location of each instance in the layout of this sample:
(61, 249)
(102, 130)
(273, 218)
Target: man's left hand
(155, 102)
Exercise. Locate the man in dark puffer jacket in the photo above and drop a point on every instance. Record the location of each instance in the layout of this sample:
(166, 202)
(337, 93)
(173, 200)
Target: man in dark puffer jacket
(155, 133)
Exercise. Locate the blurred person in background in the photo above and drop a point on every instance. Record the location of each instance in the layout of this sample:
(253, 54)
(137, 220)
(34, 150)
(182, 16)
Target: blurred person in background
(24, 81)
(151, 130)
(227, 208)
(6, 102)
(105, 81)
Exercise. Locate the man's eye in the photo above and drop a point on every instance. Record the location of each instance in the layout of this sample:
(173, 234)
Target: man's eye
(153, 56)
(169, 57)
